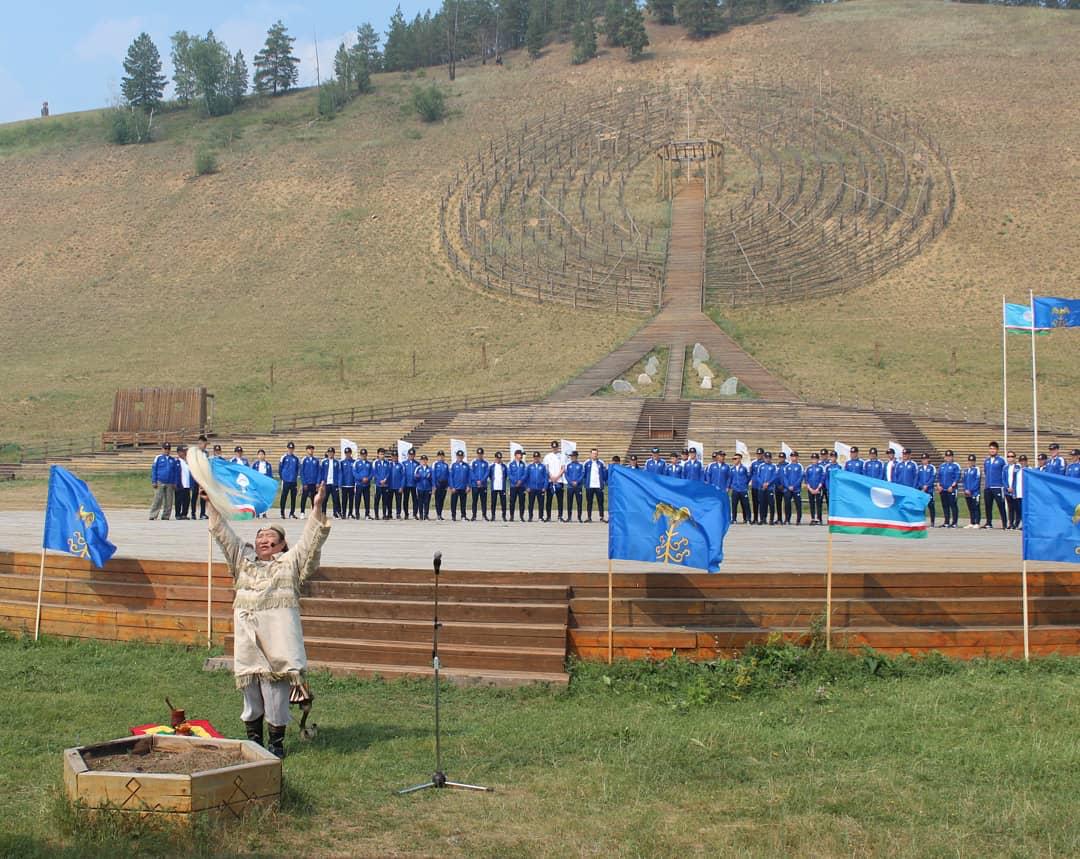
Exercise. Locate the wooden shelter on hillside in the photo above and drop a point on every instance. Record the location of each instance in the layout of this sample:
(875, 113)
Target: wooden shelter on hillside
(155, 415)
(682, 155)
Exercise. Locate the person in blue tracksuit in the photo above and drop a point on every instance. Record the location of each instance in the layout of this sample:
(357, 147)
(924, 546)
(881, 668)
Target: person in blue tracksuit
(309, 478)
(479, 472)
(655, 463)
(778, 487)
(972, 487)
(348, 483)
(874, 467)
(831, 464)
(854, 463)
(397, 481)
(289, 472)
(948, 482)
(459, 485)
(330, 474)
(1018, 489)
(238, 457)
(594, 479)
(380, 478)
(422, 483)
(537, 482)
(498, 485)
(1055, 463)
(408, 484)
(718, 474)
(440, 480)
(1009, 489)
(906, 471)
(1073, 468)
(739, 481)
(793, 482)
(674, 465)
(692, 468)
(925, 479)
(767, 476)
(994, 489)
(574, 473)
(517, 473)
(362, 476)
(755, 483)
(163, 483)
(815, 487)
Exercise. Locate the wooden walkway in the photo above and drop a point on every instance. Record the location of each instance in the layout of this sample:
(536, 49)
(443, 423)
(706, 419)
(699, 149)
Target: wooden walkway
(681, 322)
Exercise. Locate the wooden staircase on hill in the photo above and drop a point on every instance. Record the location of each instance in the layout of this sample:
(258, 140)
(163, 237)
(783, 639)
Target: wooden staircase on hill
(662, 424)
(432, 426)
(903, 430)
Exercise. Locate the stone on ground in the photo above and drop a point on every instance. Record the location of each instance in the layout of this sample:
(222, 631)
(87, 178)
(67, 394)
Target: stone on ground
(700, 353)
(730, 387)
(622, 386)
(644, 379)
(706, 383)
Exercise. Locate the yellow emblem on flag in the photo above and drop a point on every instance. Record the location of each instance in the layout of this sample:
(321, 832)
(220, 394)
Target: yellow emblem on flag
(1060, 317)
(672, 547)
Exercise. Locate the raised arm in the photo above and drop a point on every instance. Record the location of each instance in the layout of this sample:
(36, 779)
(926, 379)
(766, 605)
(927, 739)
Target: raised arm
(231, 545)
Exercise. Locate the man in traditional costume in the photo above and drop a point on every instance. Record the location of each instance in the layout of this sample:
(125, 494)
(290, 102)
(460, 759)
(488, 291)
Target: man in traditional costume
(269, 659)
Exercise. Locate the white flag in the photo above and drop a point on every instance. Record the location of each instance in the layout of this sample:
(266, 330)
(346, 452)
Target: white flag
(567, 447)
(457, 444)
(740, 447)
(403, 448)
(351, 445)
(843, 452)
(514, 448)
(787, 451)
(896, 448)
(698, 446)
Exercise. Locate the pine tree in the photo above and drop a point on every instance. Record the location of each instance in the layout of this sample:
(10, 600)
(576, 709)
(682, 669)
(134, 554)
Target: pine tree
(662, 10)
(367, 46)
(584, 35)
(275, 66)
(344, 67)
(535, 31)
(614, 21)
(143, 83)
(396, 53)
(236, 85)
(700, 17)
(183, 76)
(634, 37)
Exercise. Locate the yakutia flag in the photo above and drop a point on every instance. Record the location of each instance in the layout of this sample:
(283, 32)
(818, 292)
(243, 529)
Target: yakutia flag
(864, 505)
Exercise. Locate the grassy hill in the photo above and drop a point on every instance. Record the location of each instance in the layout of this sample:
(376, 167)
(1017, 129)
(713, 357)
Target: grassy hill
(317, 242)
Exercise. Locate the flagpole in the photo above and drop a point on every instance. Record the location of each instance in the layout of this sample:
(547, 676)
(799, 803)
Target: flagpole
(610, 611)
(1024, 591)
(40, 588)
(828, 595)
(209, 587)
(1005, 376)
(1034, 386)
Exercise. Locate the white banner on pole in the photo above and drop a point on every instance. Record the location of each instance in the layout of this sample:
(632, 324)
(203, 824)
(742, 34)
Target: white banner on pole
(351, 445)
(787, 451)
(896, 448)
(514, 448)
(457, 444)
(843, 451)
(740, 447)
(698, 446)
(403, 448)
(567, 447)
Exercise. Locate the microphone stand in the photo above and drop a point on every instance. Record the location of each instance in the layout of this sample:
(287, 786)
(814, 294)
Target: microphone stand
(438, 778)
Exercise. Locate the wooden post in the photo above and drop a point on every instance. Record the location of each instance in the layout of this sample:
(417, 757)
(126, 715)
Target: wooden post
(40, 589)
(209, 587)
(341, 369)
(828, 593)
(483, 355)
(1024, 595)
(271, 374)
(610, 610)
(414, 363)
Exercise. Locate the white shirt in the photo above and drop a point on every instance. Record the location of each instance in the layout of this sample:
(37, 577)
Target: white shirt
(555, 463)
(594, 474)
(1019, 484)
(330, 472)
(185, 475)
(497, 476)
(261, 466)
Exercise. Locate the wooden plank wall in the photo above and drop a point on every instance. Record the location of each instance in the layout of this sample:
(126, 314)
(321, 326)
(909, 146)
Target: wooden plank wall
(158, 409)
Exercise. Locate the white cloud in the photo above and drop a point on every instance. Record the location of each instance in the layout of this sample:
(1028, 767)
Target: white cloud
(109, 39)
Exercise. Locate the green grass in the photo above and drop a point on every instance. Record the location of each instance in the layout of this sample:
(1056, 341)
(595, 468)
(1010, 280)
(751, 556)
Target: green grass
(112, 489)
(656, 389)
(784, 752)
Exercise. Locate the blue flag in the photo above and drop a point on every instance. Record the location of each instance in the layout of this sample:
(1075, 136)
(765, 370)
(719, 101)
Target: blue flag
(74, 522)
(1018, 318)
(1051, 514)
(865, 505)
(251, 494)
(1056, 312)
(666, 519)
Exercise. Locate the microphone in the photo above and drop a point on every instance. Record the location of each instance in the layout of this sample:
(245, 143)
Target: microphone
(437, 561)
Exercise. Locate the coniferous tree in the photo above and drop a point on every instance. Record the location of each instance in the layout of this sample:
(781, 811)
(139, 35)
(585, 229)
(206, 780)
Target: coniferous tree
(236, 85)
(367, 46)
(662, 10)
(535, 32)
(143, 83)
(700, 17)
(183, 76)
(634, 37)
(275, 67)
(614, 21)
(397, 50)
(584, 36)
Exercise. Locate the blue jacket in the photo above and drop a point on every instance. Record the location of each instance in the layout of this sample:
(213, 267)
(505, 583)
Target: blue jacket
(162, 469)
(362, 472)
(925, 477)
(574, 472)
(906, 472)
(289, 468)
(380, 472)
(674, 470)
(479, 472)
(496, 466)
(440, 474)
(1072, 469)
(348, 472)
(740, 478)
(855, 465)
(422, 477)
(1055, 465)
(815, 475)
(408, 468)
(793, 477)
(263, 467)
(718, 475)
(656, 466)
(948, 476)
(972, 479)
(324, 470)
(693, 470)
(994, 469)
(240, 460)
(459, 475)
(397, 476)
(309, 471)
(874, 468)
(587, 468)
(517, 473)
(537, 479)
(766, 475)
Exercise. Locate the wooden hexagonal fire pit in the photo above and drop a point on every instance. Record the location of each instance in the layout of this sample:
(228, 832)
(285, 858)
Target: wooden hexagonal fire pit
(173, 775)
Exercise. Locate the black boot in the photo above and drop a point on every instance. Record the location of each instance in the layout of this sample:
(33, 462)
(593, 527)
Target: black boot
(255, 731)
(276, 745)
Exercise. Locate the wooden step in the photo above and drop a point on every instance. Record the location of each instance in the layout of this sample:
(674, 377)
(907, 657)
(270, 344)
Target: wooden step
(449, 610)
(418, 653)
(492, 634)
(495, 593)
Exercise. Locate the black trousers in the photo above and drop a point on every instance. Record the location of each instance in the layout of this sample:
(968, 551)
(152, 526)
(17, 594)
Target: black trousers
(333, 498)
(408, 497)
(754, 499)
(398, 495)
(288, 490)
(1018, 504)
(479, 496)
(597, 495)
(382, 502)
(307, 494)
(537, 496)
(517, 499)
(457, 498)
(739, 501)
(363, 491)
(950, 508)
(932, 507)
(182, 502)
(573, 493)
(347, 495)
(778, 502)
(440, 500)
(793, 498)
(498, 496)
(973, 508)
(995, 495)
(766, 512)
(555, 492)
(423, 503)
(815, 506)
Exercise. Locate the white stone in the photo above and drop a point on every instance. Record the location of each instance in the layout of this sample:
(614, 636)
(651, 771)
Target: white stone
(700, 353)
(705, 372)
(652, 366)
(622, 386)
(730, 387)
(644, 379)
(706, 383)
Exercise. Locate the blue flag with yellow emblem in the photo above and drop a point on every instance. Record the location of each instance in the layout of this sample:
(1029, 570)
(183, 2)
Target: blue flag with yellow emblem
(1056, 312)
(74, 522)
(666, 519)
(1051, 517)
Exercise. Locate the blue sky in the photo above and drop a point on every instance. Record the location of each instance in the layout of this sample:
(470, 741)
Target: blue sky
(71, 53)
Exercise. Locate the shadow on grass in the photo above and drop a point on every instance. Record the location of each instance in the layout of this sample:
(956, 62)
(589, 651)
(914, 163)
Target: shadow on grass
(359, 736)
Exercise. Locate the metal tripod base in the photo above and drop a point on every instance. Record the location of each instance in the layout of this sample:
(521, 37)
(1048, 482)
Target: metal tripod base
(439, 781)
